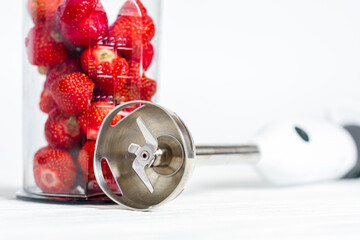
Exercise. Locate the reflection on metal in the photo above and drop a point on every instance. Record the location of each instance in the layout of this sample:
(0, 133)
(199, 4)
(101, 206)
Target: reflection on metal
(220, 155)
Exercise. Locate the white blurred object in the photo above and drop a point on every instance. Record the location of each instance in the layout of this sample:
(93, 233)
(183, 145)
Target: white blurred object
(297, 152)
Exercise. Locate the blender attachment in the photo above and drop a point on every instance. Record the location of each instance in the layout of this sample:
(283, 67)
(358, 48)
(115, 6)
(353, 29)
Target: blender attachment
(151, 154)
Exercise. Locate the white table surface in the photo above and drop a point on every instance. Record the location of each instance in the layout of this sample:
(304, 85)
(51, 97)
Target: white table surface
(220, 202)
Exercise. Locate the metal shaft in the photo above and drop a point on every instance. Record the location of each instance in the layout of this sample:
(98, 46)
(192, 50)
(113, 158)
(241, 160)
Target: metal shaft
(220, 155)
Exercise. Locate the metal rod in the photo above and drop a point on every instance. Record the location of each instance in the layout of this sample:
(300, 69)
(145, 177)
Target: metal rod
(220, 155)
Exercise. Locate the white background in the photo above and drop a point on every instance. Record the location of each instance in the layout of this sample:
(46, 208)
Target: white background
(227, 67)
(230, 66)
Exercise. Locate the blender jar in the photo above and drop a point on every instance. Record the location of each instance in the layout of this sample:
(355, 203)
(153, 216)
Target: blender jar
(83, 57)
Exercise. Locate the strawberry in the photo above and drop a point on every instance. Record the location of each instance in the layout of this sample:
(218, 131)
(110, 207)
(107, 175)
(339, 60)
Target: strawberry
(72, 93)
(54, 171)
(147, 55)
(130, 31)
(133, 9)
(55, 72)
(62, 131)
(135, 69)
(144, 53)
(105, 67)
(136, 76)
(86, 163)
(148, 88)
(47, 102)
(81, 28)
(42, 10)
(91, 120)
(76, 11)
(135, 73)
(127, 94)
(45, 46)
(137, 88)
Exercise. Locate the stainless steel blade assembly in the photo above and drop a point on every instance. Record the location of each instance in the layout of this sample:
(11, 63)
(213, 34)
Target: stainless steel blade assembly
(151, 154)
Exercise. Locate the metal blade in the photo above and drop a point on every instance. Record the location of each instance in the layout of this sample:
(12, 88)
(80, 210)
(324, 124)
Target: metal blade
(139, 168)
(149, 138)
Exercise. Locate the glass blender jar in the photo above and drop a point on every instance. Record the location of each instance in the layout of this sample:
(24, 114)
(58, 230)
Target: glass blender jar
(83, 58)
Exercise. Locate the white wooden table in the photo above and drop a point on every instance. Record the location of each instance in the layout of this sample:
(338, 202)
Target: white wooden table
(232, 204)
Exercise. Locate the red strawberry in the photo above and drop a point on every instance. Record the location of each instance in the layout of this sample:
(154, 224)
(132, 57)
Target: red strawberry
(148, 55)
(148, 88)
(133, 9)
(69, 66)
(135, 69)
(132, 24)
(105, 67)
(45, 46)
(91, 120)
(89, 31)
(62, 131)
(129, 31)
(135, 73)
(47, 102)
(137, 88)
(53, 73)
(54, 171)
(76, 11)
(144, 53)
(43, 10)
(86, 162)
(127, 94)
(73, 93)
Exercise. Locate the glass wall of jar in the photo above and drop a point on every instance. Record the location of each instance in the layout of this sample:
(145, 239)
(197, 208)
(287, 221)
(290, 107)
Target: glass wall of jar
(82, 58)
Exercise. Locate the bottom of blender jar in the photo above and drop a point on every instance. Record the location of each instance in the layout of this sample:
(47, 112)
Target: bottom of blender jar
(62, 199)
